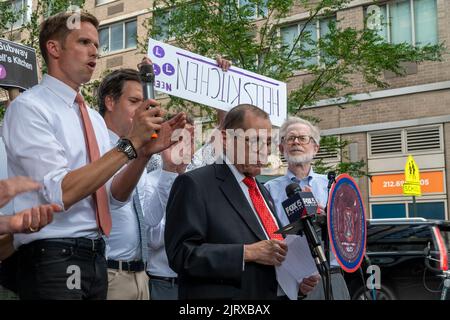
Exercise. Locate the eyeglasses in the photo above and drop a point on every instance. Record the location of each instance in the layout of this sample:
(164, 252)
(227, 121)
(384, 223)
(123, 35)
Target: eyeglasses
(255, 142)
(301, 139)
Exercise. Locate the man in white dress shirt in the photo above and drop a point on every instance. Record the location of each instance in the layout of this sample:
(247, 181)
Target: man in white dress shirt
(51, 137)
(119, 96)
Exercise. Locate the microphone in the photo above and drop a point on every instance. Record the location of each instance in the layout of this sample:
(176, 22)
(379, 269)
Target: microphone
(148, 80)
(147, 76)
(331, 178)
(300, 208)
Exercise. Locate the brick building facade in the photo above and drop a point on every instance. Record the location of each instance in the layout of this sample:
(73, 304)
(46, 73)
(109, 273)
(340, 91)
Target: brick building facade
(412, 116)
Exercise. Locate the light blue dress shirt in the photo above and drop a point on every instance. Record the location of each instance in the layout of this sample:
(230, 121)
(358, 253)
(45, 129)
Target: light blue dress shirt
(317, 182)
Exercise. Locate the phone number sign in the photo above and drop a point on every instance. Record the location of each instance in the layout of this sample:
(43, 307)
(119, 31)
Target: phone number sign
(392, 184)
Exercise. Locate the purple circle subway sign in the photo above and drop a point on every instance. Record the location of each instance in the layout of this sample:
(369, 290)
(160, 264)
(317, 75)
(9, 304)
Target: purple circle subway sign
(158, 52)
(2, 72)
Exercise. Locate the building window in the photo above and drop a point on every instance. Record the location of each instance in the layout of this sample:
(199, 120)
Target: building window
(161, 29)
(386, 211)
(410, 21)
(118, 36)
(317, 29)
(22, 10)
(257, 11)
(100, 2)
(427, 210)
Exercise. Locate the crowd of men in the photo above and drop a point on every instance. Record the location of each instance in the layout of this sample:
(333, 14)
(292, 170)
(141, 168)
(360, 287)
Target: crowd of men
(97, 196)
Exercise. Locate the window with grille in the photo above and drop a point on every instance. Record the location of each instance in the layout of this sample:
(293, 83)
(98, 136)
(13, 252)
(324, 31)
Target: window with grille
(423, 139)
(406, 141)
(326, 154)
(386, 142)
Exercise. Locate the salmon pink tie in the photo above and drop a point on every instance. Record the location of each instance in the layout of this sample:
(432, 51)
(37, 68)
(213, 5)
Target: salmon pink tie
(100, 196)
(261, 209)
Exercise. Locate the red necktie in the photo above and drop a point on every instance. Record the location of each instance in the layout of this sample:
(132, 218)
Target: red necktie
(100, 196)
(261, 209)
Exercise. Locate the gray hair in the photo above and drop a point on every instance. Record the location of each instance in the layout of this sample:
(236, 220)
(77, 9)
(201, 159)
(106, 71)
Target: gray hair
(315, 132)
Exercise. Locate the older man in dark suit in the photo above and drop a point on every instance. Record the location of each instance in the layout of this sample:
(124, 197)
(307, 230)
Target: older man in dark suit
(220, 221)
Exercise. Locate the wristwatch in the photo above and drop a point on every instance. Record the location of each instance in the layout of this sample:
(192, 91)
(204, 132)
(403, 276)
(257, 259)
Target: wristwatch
(125, 146)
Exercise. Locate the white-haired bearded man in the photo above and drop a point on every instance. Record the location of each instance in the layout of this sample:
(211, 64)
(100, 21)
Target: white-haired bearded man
(300, 141)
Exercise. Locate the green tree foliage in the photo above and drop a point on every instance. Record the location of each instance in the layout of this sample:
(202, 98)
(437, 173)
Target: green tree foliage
(30, 28)
(42, 10)
(248, 33)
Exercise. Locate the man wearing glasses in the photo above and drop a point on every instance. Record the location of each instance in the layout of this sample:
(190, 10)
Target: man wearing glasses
(220, 221)
(300, 142)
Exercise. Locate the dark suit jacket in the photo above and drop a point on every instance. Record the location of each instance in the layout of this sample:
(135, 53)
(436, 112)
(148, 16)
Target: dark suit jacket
(208, 221)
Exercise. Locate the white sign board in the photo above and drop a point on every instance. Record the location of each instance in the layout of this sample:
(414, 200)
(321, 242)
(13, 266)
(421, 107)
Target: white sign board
(196, 78)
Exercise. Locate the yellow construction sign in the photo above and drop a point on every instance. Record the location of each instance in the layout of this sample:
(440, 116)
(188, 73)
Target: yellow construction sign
(411, 187)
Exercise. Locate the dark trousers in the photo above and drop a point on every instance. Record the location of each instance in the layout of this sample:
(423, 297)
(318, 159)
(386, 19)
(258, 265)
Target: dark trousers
(63, 269)
(163, 289)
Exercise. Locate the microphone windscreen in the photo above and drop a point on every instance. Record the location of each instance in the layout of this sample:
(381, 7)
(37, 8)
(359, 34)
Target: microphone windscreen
(292, 189)
(331, 175)
(146, 72)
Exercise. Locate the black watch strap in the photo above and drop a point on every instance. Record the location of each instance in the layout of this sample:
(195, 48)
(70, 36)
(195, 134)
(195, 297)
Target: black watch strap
(125, 146)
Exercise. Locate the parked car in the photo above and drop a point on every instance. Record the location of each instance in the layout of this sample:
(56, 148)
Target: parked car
(411, 254)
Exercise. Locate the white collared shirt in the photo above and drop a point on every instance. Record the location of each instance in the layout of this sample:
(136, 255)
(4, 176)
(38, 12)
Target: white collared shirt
(158, 264)
(123, 243)
(44, 138)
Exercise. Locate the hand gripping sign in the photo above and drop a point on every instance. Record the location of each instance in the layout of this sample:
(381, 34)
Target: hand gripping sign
(347, 223)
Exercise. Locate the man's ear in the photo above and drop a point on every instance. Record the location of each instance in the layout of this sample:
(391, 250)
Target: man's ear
(109, 103)
(316, 149)
(53, 48)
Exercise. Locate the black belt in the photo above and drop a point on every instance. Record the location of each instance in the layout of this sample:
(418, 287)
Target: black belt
(92, 245)
(133, 266)
(167, 279)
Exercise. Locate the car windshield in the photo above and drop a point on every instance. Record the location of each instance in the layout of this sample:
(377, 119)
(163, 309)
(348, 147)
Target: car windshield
(398, 238)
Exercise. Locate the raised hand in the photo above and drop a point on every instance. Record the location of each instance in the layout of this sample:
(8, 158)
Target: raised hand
(177, 157)
(146, 120)
(223, 63)
(164, 139)
(9, 188)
